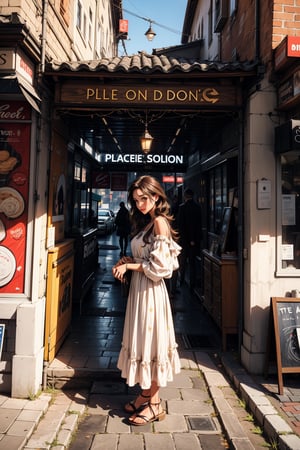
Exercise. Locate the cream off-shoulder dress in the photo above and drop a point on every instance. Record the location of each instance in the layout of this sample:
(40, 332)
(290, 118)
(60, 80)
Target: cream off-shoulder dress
(149, 350)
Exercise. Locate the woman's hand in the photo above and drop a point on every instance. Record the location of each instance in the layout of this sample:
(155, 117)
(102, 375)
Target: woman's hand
(119, 270)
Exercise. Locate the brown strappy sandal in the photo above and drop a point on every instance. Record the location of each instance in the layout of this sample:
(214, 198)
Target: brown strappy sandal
(132, 409)
(160, 416)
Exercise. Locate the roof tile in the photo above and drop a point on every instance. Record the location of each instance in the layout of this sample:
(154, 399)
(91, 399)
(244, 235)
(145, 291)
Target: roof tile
(145, 63)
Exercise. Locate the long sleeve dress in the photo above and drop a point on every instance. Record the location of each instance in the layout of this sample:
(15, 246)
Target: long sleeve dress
(149, 350)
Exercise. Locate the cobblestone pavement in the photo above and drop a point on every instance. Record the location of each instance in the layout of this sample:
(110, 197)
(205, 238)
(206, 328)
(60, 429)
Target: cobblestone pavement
(203, 412)
(212, 404)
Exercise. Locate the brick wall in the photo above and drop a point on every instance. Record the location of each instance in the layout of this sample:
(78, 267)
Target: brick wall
(277, 19)
(238, 34)
(286, 20)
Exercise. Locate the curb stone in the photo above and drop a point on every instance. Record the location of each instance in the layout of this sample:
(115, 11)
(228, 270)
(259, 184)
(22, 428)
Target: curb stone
(274, 426)
(56, 427)
(215, 381)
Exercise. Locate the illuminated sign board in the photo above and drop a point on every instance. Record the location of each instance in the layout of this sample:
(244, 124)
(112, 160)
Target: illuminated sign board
(150, 162)
(99, 94)
(171, 179)
(131, 158)
(286, 52)
(293, 46)
(10, 60)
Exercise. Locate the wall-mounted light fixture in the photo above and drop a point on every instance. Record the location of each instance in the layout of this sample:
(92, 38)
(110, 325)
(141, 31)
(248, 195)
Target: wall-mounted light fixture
(150, 34)
(146, 141)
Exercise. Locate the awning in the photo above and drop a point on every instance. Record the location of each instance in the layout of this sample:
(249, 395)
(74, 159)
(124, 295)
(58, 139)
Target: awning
(15, 84)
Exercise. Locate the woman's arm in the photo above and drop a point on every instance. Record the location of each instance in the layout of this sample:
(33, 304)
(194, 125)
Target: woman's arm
(120, 269)
(162, 228)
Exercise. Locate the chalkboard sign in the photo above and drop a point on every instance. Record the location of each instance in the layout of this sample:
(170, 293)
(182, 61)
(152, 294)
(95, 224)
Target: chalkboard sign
(286, 319)
(2, 328)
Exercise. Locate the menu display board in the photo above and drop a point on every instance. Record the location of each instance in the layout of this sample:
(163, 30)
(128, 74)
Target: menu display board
(15, 128)
(285, 317)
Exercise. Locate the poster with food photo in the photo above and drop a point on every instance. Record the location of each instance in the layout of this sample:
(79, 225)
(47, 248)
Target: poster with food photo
(14, 184)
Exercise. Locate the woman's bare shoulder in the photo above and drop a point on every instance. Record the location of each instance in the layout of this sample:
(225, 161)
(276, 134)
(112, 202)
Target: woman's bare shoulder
(161, 226)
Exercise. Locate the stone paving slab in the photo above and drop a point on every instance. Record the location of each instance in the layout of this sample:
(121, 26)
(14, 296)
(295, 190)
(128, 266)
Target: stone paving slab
(186, 441)
(210, 442)
(104, 442)
(31, 416)
(117, 425)
(241, 444)
(171, 424)
(7, 418)
(159, 441)
(14, 403)
(194, 407)
(191, 395)
(183, 379)
(21, 428)
(12, 442)
(131, 441)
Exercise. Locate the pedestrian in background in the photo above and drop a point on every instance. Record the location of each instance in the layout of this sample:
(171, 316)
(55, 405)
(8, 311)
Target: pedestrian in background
(148, 356)
(122, 223)
(190, 236)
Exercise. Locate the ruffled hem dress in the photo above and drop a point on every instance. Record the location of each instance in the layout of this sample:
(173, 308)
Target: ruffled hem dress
(149, 349)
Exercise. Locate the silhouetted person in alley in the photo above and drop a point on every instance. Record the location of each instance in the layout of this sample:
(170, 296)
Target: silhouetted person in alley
(190, 234)
(122, 223)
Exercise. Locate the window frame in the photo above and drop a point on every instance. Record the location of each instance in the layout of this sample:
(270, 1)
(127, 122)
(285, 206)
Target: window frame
(233, 4)
(290, 270)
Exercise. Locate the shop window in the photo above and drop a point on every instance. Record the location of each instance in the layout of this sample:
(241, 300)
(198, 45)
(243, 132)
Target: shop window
(232, 7)
(82, 197)
(221, 13)
(222, 195)
(289, 214)
(90, 27)
(77, 171)
(79, 16)
(210, 23)
(84, 30)
(217, 196)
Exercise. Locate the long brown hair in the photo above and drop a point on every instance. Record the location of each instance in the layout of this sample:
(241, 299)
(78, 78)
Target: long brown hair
(150, 186)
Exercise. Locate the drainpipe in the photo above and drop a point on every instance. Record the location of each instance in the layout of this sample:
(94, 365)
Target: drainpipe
(45, 367)
(95, 29)
(41, 72)
(43, 36)
(241, 233)
(241, 249)
(257, 30)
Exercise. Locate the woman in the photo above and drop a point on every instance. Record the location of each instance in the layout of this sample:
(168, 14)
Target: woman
(149, 351)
